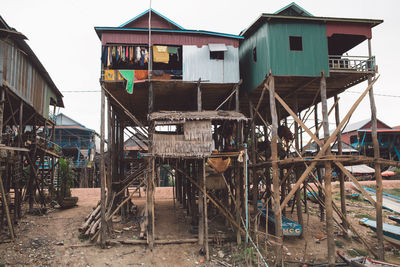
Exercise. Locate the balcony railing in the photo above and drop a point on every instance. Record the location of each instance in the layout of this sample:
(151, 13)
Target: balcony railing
(352, 63)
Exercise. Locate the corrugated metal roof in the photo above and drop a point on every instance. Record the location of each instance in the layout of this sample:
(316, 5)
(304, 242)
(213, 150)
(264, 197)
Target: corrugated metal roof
(99, 31)
(217, 47)
(194, 115)
(362, 169)
(268, 16)
(355, 126)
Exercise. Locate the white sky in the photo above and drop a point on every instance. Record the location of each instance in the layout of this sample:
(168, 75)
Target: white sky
(62, 35)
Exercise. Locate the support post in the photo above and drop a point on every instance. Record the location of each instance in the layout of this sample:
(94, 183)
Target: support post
(340, 173)
(275, 173)
(237, 98)
(378, 176)
(319, 173)
(297, 172)
(199, 105)
(205, 212)
(102, 172)
(328, 177)
(150, 204)
(201, 203)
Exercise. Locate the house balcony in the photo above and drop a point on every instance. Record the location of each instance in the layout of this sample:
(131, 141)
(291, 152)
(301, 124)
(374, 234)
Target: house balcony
(352, 64)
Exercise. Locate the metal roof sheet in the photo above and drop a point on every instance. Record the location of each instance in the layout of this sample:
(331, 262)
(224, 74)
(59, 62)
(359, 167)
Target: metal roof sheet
(217, 47)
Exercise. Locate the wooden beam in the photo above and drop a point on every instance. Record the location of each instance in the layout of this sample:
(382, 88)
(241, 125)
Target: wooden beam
(327, 144)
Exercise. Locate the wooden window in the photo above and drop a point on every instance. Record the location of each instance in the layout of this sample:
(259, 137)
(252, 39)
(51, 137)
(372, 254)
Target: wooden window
(296, 43)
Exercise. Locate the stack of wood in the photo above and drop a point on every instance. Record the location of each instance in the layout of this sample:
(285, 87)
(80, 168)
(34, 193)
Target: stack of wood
(90, 228)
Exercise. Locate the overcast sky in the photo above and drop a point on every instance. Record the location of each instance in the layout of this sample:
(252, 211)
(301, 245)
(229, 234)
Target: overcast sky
(62, 35)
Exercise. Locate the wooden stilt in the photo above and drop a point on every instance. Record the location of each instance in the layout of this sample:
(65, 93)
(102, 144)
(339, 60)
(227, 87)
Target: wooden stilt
(201, 203)
(238, 202)
(297, 172)
(340, 173)
(326, 145)
(6, 208)
(150, 204)
(102, 172)
(328, 178)
(319, 173)
(205, 212)
(378, 176)
(275, 175)
(199, 104)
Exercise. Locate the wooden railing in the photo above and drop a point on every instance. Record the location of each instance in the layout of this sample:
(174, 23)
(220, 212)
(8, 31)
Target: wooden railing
(352, 63)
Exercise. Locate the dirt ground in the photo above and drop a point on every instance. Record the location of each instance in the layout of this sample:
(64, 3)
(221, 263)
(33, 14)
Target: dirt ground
(53, 239)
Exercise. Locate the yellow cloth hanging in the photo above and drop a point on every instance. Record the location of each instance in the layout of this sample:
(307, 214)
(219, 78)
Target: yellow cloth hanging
(160, 54)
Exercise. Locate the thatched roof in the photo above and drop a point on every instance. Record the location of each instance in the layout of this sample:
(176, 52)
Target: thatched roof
(195, 115)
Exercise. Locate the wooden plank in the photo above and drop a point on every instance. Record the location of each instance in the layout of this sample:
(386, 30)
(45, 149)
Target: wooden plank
(327, 144)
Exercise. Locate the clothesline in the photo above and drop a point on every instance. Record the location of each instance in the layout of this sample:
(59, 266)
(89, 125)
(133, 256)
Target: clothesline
(131, 54)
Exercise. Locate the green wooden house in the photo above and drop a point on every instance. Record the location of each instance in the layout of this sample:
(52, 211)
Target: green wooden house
(297, 48)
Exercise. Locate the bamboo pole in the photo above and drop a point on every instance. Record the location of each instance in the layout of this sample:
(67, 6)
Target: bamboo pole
(275, 174)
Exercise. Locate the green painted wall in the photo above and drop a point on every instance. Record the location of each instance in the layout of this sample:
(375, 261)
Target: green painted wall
(253, 72)
(272, 42)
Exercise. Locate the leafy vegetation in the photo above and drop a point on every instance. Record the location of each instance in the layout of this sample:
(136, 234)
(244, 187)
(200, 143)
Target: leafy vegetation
(66, 178)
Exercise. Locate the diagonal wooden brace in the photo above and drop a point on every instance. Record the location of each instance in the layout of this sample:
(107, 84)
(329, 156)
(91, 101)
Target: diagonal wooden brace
(300, 122)
(357, 184)
(327, 144)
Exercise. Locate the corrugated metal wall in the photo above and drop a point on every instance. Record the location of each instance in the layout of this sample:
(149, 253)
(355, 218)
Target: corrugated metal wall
(23, 79)
(197, 64)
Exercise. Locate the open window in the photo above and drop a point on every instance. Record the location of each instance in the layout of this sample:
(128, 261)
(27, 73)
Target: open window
(255, 54)
(217, 51)
(296, 43)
